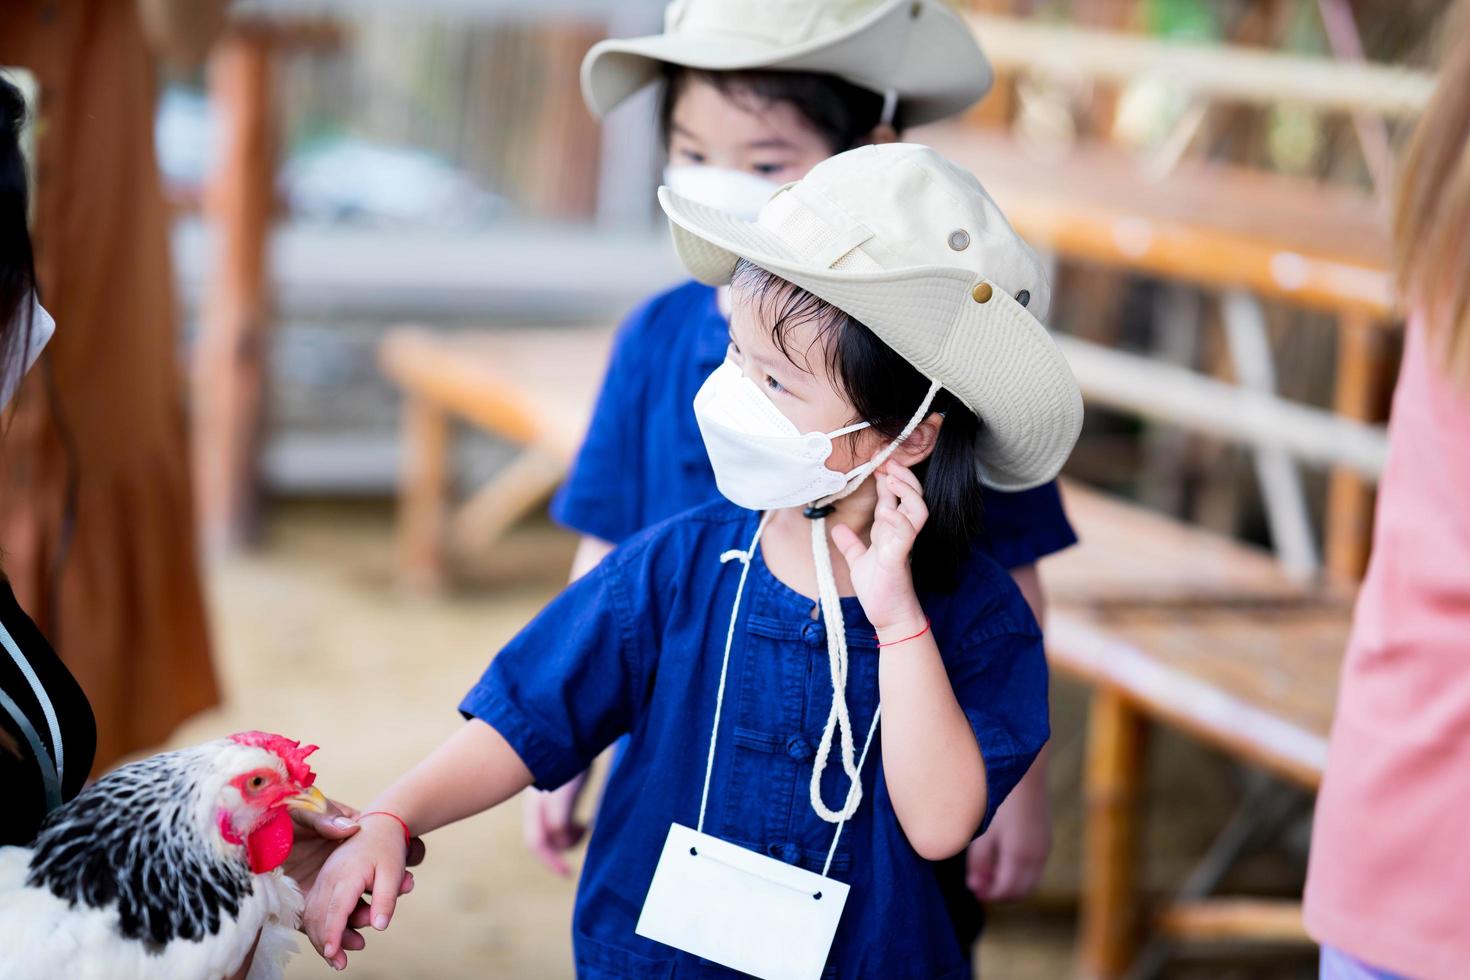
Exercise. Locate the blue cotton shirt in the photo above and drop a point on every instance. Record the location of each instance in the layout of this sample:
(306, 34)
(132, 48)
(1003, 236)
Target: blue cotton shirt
(643, 459)
(634, 648)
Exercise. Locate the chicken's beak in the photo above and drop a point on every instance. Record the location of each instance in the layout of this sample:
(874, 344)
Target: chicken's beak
(311, 799)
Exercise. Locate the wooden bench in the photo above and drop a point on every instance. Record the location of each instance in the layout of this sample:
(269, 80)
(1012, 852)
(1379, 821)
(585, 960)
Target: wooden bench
(531, 386)
(1175, 625)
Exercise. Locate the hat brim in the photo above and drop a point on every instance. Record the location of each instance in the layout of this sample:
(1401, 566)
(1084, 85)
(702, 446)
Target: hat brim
(939, 72)
(995, 357)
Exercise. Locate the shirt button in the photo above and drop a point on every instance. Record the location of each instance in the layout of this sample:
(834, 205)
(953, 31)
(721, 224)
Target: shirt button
(814, 634)
(788, 853)
(798, 748)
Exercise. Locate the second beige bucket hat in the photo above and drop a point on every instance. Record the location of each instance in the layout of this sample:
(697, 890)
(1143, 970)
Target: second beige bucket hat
(918, 49)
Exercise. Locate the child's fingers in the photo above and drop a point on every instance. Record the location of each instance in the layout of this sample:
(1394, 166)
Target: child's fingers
(330, 919)
(887, 499)
(386, 883)
(848, 543)
(910, 496)
(352, 940)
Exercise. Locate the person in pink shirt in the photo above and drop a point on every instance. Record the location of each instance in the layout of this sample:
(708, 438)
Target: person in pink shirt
(1388, 886)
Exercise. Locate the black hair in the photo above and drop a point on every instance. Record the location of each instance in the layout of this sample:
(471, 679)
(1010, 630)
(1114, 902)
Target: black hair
(885, 390)
(17, 264)
(842, 113)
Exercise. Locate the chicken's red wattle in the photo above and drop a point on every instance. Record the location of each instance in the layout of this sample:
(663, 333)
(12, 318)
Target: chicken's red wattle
(269, 845)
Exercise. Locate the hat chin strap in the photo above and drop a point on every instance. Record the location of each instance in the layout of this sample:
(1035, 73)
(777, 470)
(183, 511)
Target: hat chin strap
(890, 107)
(838, 720)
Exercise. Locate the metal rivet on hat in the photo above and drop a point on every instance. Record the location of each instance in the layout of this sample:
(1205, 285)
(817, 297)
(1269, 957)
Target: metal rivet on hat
(959, 239)
(1023, 297)
(982, 292)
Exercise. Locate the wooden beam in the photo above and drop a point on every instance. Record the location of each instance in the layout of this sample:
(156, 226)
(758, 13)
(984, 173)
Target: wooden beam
(1363, 365)
(1252, 75)
(512, 493)
(1235, 920)
(1178, 396)
(229, 360)
(422, 492)
(1111, 784)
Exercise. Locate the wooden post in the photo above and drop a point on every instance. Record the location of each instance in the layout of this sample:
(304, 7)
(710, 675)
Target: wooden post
(1114, 774)
(1362, 366)
(421, 499)
(229, 362)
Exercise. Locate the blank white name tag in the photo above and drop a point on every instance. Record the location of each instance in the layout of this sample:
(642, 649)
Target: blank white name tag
(741, 909)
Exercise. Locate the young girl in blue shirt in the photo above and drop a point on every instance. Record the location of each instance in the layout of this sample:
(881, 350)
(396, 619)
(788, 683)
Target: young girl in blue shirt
(752, 95)
(883, 360)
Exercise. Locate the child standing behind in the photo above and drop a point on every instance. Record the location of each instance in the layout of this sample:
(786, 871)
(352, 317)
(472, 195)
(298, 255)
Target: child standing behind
(883, 322)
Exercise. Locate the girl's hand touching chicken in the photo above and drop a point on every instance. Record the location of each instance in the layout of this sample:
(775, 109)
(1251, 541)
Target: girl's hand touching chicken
(374, 860)
(880, 571)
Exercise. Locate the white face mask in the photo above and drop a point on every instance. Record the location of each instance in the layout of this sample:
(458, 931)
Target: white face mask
(761, 460)
(732, 191)
(14, 364)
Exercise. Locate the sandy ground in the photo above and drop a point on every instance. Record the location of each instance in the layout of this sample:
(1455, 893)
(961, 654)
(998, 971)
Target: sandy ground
(315, 642)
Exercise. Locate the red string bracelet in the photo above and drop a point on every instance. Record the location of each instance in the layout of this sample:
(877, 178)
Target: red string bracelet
(407, 837)
(906, 638)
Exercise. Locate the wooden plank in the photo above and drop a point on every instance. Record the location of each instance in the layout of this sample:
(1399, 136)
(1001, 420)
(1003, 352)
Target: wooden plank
(1213, 225)
(1257, 76)
(1112, 780)
(421, 498)
(1181, 397)
(1289, 739)
(1362, 366)
(531, 386)
(1235, 919)
(229, 367)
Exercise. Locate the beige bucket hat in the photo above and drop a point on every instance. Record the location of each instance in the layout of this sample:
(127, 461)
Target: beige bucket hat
(913, 247)
(918, 49)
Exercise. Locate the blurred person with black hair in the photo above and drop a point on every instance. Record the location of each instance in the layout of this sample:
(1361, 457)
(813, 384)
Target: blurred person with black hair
(96, 510)
(47, 735)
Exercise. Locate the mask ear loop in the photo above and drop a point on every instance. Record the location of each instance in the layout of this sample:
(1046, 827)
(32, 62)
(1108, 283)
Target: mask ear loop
(839, 723)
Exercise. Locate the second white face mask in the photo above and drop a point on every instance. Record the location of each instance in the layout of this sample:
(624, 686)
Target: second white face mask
(761, 460)
(732, 191)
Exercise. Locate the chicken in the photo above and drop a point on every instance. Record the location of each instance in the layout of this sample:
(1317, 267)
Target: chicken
(165, 868)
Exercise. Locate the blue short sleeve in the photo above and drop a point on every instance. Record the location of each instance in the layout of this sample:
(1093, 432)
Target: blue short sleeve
(601, 495)
(1001, 684)
(572, 682)
(1022, 528)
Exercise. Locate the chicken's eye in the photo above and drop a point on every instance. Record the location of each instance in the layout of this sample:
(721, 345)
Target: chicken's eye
(256, 783)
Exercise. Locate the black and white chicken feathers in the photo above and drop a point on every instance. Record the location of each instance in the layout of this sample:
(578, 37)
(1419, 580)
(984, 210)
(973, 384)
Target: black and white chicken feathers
(165, 868)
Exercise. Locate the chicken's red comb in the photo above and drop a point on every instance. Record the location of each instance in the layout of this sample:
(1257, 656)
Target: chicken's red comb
(292, 753)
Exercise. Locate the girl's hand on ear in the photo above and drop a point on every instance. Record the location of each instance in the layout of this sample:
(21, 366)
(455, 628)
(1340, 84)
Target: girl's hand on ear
(880, 569)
